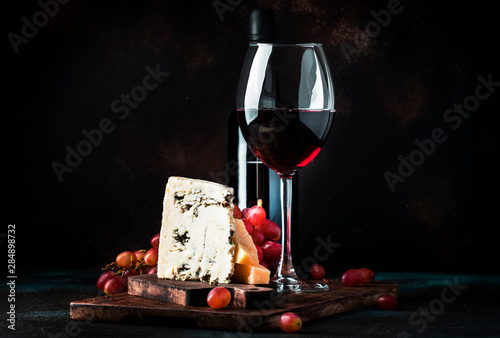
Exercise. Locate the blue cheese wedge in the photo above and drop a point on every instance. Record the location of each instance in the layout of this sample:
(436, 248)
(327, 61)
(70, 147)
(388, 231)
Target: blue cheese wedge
(196, 237)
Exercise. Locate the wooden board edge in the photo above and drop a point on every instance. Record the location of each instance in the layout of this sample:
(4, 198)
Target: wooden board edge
(244, 323)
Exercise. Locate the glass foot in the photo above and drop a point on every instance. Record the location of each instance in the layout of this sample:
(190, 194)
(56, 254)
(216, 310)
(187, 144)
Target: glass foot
(297, 285)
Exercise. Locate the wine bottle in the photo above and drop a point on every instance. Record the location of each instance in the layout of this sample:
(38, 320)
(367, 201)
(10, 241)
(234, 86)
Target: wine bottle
(251, 179)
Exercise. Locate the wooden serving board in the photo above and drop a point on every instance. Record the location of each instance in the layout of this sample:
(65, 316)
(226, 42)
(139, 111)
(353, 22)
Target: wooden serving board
(262, 315)
(194, 293)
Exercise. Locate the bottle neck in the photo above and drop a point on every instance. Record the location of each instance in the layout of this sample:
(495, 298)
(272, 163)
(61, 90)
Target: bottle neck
(261, 26)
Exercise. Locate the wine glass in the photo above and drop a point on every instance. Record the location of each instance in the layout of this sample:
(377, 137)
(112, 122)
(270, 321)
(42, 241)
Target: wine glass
(285, 107)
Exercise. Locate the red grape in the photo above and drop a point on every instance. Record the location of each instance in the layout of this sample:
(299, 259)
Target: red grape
(260, 253)
(126, 275)
(103, 278)
(258, 237)
(155, 240)
(126, 259)
(271, 250)
(367, 275)
(351, 277)
(134, 271)
(151, 257)
(236, 212)
(272, 265)
(257, 214)
(271, 230)
(248, 225)
(317, 271)
(140, 255)
(387, 302)
(218, 297)
(244, 212)
(264, 264)
(290, 322)
(115, 284)
(152, 270)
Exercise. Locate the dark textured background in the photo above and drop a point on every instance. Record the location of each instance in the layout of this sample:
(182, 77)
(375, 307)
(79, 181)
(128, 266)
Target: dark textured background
(394, 90)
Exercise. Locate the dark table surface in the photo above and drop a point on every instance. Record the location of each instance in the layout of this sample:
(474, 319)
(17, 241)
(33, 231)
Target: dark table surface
(430, 305)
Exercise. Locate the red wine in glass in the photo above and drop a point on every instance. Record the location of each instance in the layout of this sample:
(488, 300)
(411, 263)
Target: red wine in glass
(285, 140)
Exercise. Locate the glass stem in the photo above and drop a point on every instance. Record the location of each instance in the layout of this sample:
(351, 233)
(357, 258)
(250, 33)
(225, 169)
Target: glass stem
(285, 268)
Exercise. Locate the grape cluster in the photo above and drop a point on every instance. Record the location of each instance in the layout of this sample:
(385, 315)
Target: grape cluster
(265, 234)
(114, 279)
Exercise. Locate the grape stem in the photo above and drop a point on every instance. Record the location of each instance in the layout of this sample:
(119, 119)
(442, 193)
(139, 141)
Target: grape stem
(118, 270)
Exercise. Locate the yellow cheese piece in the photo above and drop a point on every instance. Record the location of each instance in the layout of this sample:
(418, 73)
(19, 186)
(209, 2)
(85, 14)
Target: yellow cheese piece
(250, 274)
(245, 250)
(246, 268)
